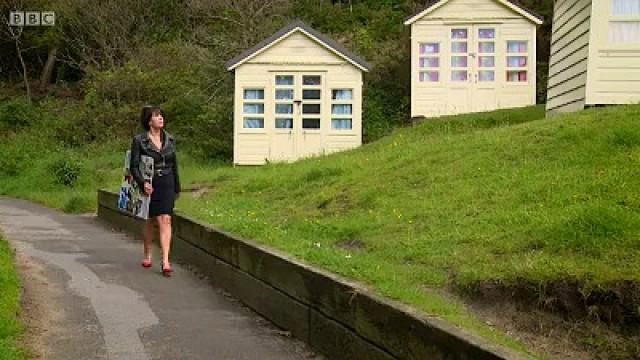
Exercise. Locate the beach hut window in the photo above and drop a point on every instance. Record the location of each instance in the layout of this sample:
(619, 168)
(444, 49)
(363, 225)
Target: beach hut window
(284, 94)
(341, 109)
(253, 123)
(516, 47)
(286, 80)
(311, 80)
(625, 7)
(429, 59)
(284, 123)
(516, 61)
(516, 76)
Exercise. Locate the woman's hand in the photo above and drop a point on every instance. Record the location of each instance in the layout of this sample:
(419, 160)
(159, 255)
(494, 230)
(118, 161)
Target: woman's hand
(147, 188)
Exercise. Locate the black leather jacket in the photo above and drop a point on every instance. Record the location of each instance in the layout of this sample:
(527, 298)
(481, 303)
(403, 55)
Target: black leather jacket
(165, 162)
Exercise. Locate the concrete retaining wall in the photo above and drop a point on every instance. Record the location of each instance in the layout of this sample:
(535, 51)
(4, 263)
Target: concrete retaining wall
(337, 318)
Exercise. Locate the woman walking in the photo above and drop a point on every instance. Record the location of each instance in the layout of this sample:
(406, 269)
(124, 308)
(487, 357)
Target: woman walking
(165, 184)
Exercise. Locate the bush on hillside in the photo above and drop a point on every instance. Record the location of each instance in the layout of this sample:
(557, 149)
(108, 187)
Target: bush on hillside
(18, 113)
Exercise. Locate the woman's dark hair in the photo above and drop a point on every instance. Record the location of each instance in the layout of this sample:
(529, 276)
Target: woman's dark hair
(147, 112)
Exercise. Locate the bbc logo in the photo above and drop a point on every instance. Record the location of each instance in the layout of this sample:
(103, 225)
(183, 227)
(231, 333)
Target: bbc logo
(32, 18)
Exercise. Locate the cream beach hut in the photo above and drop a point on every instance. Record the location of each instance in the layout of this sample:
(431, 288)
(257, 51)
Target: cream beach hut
(472, 55)
(297, 94)
(595, 54)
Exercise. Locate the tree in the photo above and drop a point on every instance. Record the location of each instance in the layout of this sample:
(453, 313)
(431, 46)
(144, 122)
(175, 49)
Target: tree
(15, 33)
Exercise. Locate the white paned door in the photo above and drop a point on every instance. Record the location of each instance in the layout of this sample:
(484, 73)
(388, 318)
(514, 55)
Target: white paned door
(309, 114)
(484, 70)
(472, 68)
(298, 109)
(460, 65)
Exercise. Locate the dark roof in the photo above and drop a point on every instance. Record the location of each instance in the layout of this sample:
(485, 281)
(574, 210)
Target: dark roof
(299, 24)
(513, 2)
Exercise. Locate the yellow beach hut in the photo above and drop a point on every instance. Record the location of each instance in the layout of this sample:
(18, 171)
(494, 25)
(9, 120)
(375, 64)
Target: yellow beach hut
(595, 54)
(297, 94)
(472, 55)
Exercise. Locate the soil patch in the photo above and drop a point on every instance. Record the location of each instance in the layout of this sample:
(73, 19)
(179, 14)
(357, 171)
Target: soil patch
(560, 320)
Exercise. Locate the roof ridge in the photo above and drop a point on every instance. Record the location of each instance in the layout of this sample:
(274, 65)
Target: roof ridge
(299, 24)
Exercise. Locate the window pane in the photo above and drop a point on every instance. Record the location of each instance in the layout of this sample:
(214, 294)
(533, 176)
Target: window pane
(487, 33)
(429, 48)
(253, 108)
(253, 123)
(516, 46)
(341, 124)
(487, 47)
(311, 80)
(341, 109)
(624, 32)
(486, 61)
(516, 76)
(459, 75)
(284, 94)
(311, 94)
(284, 108)
(625, 7)
(253, 94)
(284, 79)
(516, 61)
(486, 75)
(429, 76)
(458, 47)
(342, 94)
(311, 108)
(459, 33)
(311, 123)
(284, 123)
(458, 61)
(430, 62)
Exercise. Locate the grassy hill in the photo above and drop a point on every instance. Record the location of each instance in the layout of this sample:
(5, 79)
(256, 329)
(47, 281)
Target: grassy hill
(545, 211)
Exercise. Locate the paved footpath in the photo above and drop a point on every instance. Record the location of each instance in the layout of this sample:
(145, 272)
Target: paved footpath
(104, 305)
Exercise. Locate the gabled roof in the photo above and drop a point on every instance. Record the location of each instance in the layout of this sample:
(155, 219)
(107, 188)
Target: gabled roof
(512, 4)
(281, 34)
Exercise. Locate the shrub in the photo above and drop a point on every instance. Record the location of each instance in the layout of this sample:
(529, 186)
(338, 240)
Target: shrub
(18, 113)
(66, 171)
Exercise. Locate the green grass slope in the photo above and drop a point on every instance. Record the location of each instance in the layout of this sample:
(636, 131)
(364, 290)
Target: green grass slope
(10, 326)
(454, 202)
(505, 198)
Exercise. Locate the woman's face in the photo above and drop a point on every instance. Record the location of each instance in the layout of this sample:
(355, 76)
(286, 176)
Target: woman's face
(157, 121)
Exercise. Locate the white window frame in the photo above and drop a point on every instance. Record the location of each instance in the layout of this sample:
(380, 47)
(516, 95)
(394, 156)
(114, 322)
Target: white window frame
(494, 55)
(426, 70)
(634, 18)
(508, 69)
(277, 102)
(342, 116)
(246, 116)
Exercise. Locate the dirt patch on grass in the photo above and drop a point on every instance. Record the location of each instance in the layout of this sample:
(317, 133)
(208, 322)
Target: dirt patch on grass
(198, 191)
(351, 244)
(560, 320)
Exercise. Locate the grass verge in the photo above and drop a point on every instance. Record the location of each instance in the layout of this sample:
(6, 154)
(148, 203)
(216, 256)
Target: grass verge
(10, 327)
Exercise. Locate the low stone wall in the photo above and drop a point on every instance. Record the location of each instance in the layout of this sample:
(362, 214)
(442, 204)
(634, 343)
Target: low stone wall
(336, 317)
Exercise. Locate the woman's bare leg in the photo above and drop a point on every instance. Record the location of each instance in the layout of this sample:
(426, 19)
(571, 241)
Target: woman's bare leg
(147, 236)
(164, 222)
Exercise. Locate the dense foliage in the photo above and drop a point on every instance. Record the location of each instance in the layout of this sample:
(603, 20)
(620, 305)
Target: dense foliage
(111, 57)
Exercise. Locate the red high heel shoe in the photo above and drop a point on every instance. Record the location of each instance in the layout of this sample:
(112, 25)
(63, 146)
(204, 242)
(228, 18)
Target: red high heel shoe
(146, 263)
(166, 271)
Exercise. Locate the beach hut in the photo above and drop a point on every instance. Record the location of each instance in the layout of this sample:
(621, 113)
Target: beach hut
(297, 94)
(472, 55)
(595, 54)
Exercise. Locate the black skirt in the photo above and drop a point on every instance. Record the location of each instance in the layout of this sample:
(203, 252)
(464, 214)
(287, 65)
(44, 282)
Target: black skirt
(163, 195)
